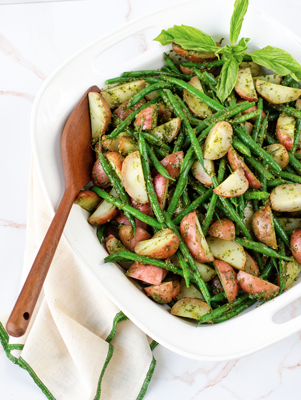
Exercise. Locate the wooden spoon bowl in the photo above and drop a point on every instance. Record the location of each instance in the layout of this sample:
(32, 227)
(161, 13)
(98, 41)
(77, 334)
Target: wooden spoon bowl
(78, 159)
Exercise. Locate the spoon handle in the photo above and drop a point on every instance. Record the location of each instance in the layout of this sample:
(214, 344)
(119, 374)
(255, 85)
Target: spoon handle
(24, 307)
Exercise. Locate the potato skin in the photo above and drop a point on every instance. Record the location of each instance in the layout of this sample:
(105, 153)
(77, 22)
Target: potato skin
(122, 219)
(161, 294)
(223, 229)
(251, 266)
(122, 111)
(227, 277)
(88, 200)
(99, 177)
(162, 250)
(254, 285)
(144, 208)
(146, 273)
(126, 234)
(172, 163)
(161, 187)
(147, 118)
(296, 245)
(191, 55)
(237, 163)
(263, 227)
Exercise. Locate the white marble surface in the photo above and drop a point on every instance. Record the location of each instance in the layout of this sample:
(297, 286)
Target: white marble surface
(34, 40)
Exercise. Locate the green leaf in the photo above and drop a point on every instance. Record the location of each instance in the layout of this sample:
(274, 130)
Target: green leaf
(278, 60)
(236, 49)
(240, 9)
(187, 37)
(227, 78)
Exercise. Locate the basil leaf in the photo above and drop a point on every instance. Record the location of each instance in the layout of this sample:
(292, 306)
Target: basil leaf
(242, 45)
(278, 60)
(187, 37)
(236, 49)
(240, 9)
(227, 79)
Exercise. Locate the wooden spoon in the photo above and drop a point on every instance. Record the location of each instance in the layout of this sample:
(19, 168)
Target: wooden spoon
(78, 159)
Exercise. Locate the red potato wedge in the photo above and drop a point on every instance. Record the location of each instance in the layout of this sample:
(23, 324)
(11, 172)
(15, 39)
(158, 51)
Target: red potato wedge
(249, 127)
(237, 162)
(254, 285)
(146, 273)
(123, 111)
(254, 67)
(112, 144)
(105, 212)
(133, 179)
(147, 119)
(217, 286)
(172, 163)
(192, 292)
(296, 245)
(263, 226)
(194, 238)
(229, 251)
(235, 185)
(276, 94)
(176, 286)
(127, 145)
(223, 229)
(286, 197)
(164, 114)
(116, 160)
(122, 219)
(273, 78)
(251, 266)
(290, 224)
(207, 273)
(190, 308)
(160, 294)
(196, 106)
(126, 234)
(161, 188)
(114, 245)
(100, 115)
(186, 70)
(161, 246)
(99, 177)
(98, 149)
(168, 131)
(278, 153)
(285, 130)
(292, 270)
(251, 109)
(200, 174)
(119, 94)
(145, 208)
(218, 141)
(192, 55)
(88, 200)
(227, 276)
(244, 85)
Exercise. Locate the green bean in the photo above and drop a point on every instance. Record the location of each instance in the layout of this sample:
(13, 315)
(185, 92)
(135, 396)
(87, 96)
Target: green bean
(297, 136)
(256, 195)
(267, 269)
(153, 199)
(119, 79)
(165, 99)
(241, 147)
(210, 211)
(260, 168)
(156, 142)
(263, 130)
(159, 152)
(222, 309)
(281, 232)
(156, 73)
(287, 80)
(289, 169)
(261, 248)
(186, 253)
(219, 297)
(258, 119)
(203, 65)
(125, 123)
(171, 64)
(196, 185)
(100, 232)
(292, 112)
(179, 112)
(276, 182)
(248, 141)
(165, 69)
(179, 141)
(298, 156)
(125, 207)
(235, 311)
(156, 163)
(184, 267)
(148, 89)
(196, 92)
(255, 205)
(185, 196)
(115, 181)
(179, 188)
(290, 177)
(245, 117)
(273, 116)
(193, 206)
(282, 267)
(241, 206)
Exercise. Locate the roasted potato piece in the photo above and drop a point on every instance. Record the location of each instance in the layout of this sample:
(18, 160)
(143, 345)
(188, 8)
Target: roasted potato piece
(244, 85)
(286, 197)
(190, 308)
(105, 211)
(296, 245)
(263, 226)
(276, 94)
(235, 185)
(227, 276)
(161, 294)
(285, 130)
(229, 251)
(162, 245)
(223, 229)
(147, 119)
(279, 154)
(200, 174)
(251, 266)
(254, 285)
(126, 234)
(196, 106)
(218, 141)
(119, 94)
(168, 131)
(172, 163)
(146, 273)
(88, 200)
(100, 115)
(161, 188)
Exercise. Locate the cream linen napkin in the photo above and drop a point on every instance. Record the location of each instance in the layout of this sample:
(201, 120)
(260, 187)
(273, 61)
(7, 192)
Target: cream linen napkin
(79, 345)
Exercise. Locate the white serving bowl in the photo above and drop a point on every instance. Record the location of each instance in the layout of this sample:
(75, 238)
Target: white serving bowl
(240, 336)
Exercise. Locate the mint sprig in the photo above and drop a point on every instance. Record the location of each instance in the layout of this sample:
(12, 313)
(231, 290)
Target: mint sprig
(190, 38)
